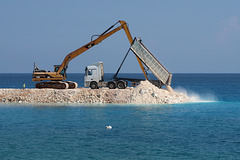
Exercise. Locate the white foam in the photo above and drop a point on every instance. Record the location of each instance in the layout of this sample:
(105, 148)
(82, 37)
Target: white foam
(206, 97)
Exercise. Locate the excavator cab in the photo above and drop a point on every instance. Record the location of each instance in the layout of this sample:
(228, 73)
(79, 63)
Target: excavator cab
(63, 72)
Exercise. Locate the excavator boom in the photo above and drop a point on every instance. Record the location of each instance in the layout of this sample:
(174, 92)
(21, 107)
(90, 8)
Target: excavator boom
(59, 73)
(79, 51)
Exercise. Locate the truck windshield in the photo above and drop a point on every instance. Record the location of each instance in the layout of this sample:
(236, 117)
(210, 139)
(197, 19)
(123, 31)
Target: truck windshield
(88, 72)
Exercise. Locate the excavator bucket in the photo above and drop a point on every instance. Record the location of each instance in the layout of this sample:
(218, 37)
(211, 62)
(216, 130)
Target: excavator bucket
(151, 62)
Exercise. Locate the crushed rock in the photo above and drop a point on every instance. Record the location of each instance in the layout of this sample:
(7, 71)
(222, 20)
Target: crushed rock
(144, 93)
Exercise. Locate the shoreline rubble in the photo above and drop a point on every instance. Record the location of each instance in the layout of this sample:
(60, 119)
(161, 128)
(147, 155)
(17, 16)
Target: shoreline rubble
(144, 93)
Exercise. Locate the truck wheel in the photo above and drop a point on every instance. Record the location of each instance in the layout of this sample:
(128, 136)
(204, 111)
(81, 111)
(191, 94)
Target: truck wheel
(111, 85)
(94, 85)
(121, 85)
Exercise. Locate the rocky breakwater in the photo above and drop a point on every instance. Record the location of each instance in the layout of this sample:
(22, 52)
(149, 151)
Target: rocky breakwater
(144, 93)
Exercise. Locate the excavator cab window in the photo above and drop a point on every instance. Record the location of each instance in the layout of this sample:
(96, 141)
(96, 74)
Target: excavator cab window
(56, 67)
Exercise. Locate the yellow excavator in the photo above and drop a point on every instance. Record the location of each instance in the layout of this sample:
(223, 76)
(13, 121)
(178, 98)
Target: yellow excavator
(55, 79)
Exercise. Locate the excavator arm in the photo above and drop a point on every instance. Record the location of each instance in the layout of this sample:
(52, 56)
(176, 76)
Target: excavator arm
(60, 70)
(125, 27)
(103, 36)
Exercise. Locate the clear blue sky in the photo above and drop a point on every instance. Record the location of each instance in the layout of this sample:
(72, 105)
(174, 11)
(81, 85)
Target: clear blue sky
(185, 36)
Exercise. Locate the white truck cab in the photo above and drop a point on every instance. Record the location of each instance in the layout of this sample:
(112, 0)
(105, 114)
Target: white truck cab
(94, 75)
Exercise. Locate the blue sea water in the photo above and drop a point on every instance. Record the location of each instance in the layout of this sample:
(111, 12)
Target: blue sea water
(209, 129)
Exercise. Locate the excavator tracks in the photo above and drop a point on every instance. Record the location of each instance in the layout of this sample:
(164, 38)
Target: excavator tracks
(72, 85)
(57, 85)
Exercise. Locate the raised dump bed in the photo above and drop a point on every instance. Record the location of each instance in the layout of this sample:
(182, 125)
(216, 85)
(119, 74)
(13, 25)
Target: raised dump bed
(151, 62)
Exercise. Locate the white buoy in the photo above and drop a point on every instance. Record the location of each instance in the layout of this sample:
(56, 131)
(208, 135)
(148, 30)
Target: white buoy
(109, 127)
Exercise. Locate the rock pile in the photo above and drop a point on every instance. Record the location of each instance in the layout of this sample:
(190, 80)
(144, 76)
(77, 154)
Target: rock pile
(144, 93)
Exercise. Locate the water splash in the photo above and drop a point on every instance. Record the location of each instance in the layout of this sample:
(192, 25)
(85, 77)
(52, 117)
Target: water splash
(195, 97)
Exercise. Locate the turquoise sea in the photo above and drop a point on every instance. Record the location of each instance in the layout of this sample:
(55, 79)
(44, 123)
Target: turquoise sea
(208, 129)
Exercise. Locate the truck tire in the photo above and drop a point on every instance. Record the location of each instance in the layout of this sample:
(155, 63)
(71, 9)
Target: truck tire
(121, 85)
(111, 85)
(94, 85)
